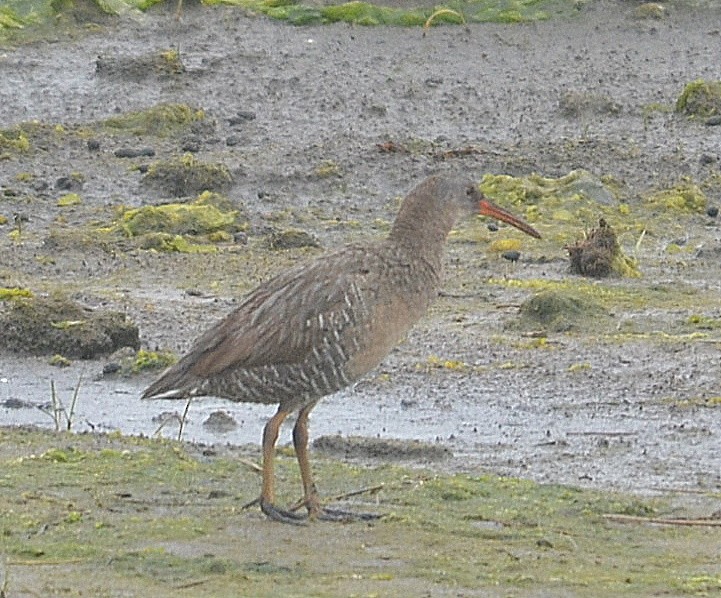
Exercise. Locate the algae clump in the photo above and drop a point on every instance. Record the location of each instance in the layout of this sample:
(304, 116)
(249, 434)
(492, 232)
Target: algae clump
(190, 227)
(15, 293)
(161, 120)
(700, 98)
(685, 197)
(560, 311)
(187, 175)
(13, 140)
(151, 360)
(69, 199)
(176, 219)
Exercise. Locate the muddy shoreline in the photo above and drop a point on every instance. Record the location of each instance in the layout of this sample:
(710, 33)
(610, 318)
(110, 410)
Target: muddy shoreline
(637, 413)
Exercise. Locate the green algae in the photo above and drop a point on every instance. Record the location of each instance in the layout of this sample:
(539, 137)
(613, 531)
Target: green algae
(175, 219)
(369, 14)
(685, 196)
(7, 294)
(700, 98)
(188, 227)
(559, 207)
(152, 360)
(186, 175)
(566, 194)
(41, 14)
(163, 518)
(561, 311)
(69, 199)
(616, 296)
(161, 120)
(168, 243)
(13, 141)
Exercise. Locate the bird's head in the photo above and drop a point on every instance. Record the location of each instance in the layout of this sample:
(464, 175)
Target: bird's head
(440, 201)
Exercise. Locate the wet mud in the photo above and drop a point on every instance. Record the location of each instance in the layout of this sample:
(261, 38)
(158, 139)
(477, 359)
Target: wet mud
(321, 130)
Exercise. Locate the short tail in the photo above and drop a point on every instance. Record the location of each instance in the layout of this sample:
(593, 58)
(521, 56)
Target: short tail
(173, 393)
(172, 385)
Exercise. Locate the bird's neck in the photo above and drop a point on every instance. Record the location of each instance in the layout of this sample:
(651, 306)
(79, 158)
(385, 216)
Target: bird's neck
(420, 233)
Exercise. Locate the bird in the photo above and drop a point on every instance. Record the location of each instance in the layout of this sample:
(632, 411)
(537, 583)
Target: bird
(323, 324)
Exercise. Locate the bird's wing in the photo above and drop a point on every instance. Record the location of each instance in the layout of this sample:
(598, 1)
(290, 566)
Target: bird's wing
(281, 321)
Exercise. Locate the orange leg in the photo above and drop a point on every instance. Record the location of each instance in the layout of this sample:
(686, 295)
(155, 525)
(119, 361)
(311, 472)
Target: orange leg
(267, 495)
(300, 442)
(311, 500)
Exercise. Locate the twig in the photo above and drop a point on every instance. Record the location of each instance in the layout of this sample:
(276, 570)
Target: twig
(165, 422)
(661, 520)
(57, 407)
(441, 11)
(192, 583)
(73, 402)
(251, 465)
(183, 419)
(59, 412)
(368, 489)
(45, 563)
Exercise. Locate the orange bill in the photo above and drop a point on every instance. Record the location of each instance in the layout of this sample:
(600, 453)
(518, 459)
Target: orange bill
(487, 208)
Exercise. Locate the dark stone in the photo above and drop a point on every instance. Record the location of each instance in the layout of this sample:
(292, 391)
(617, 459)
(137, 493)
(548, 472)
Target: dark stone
(128, 152)
(68, 183)
(190, 144)
(242, 116)
(111, 368)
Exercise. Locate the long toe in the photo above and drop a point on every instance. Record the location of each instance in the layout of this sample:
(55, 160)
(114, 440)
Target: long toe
(326, 514)
(281, 515)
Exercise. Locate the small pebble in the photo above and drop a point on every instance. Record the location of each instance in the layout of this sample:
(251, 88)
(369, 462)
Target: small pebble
(111, 368)
(492, 226)
(712, 211)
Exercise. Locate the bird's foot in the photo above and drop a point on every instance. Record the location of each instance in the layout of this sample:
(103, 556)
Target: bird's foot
(317, 511)
(276, 513)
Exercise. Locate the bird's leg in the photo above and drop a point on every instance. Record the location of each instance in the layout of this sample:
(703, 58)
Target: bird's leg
(267, 494)
(300, 442)
(311, 500)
